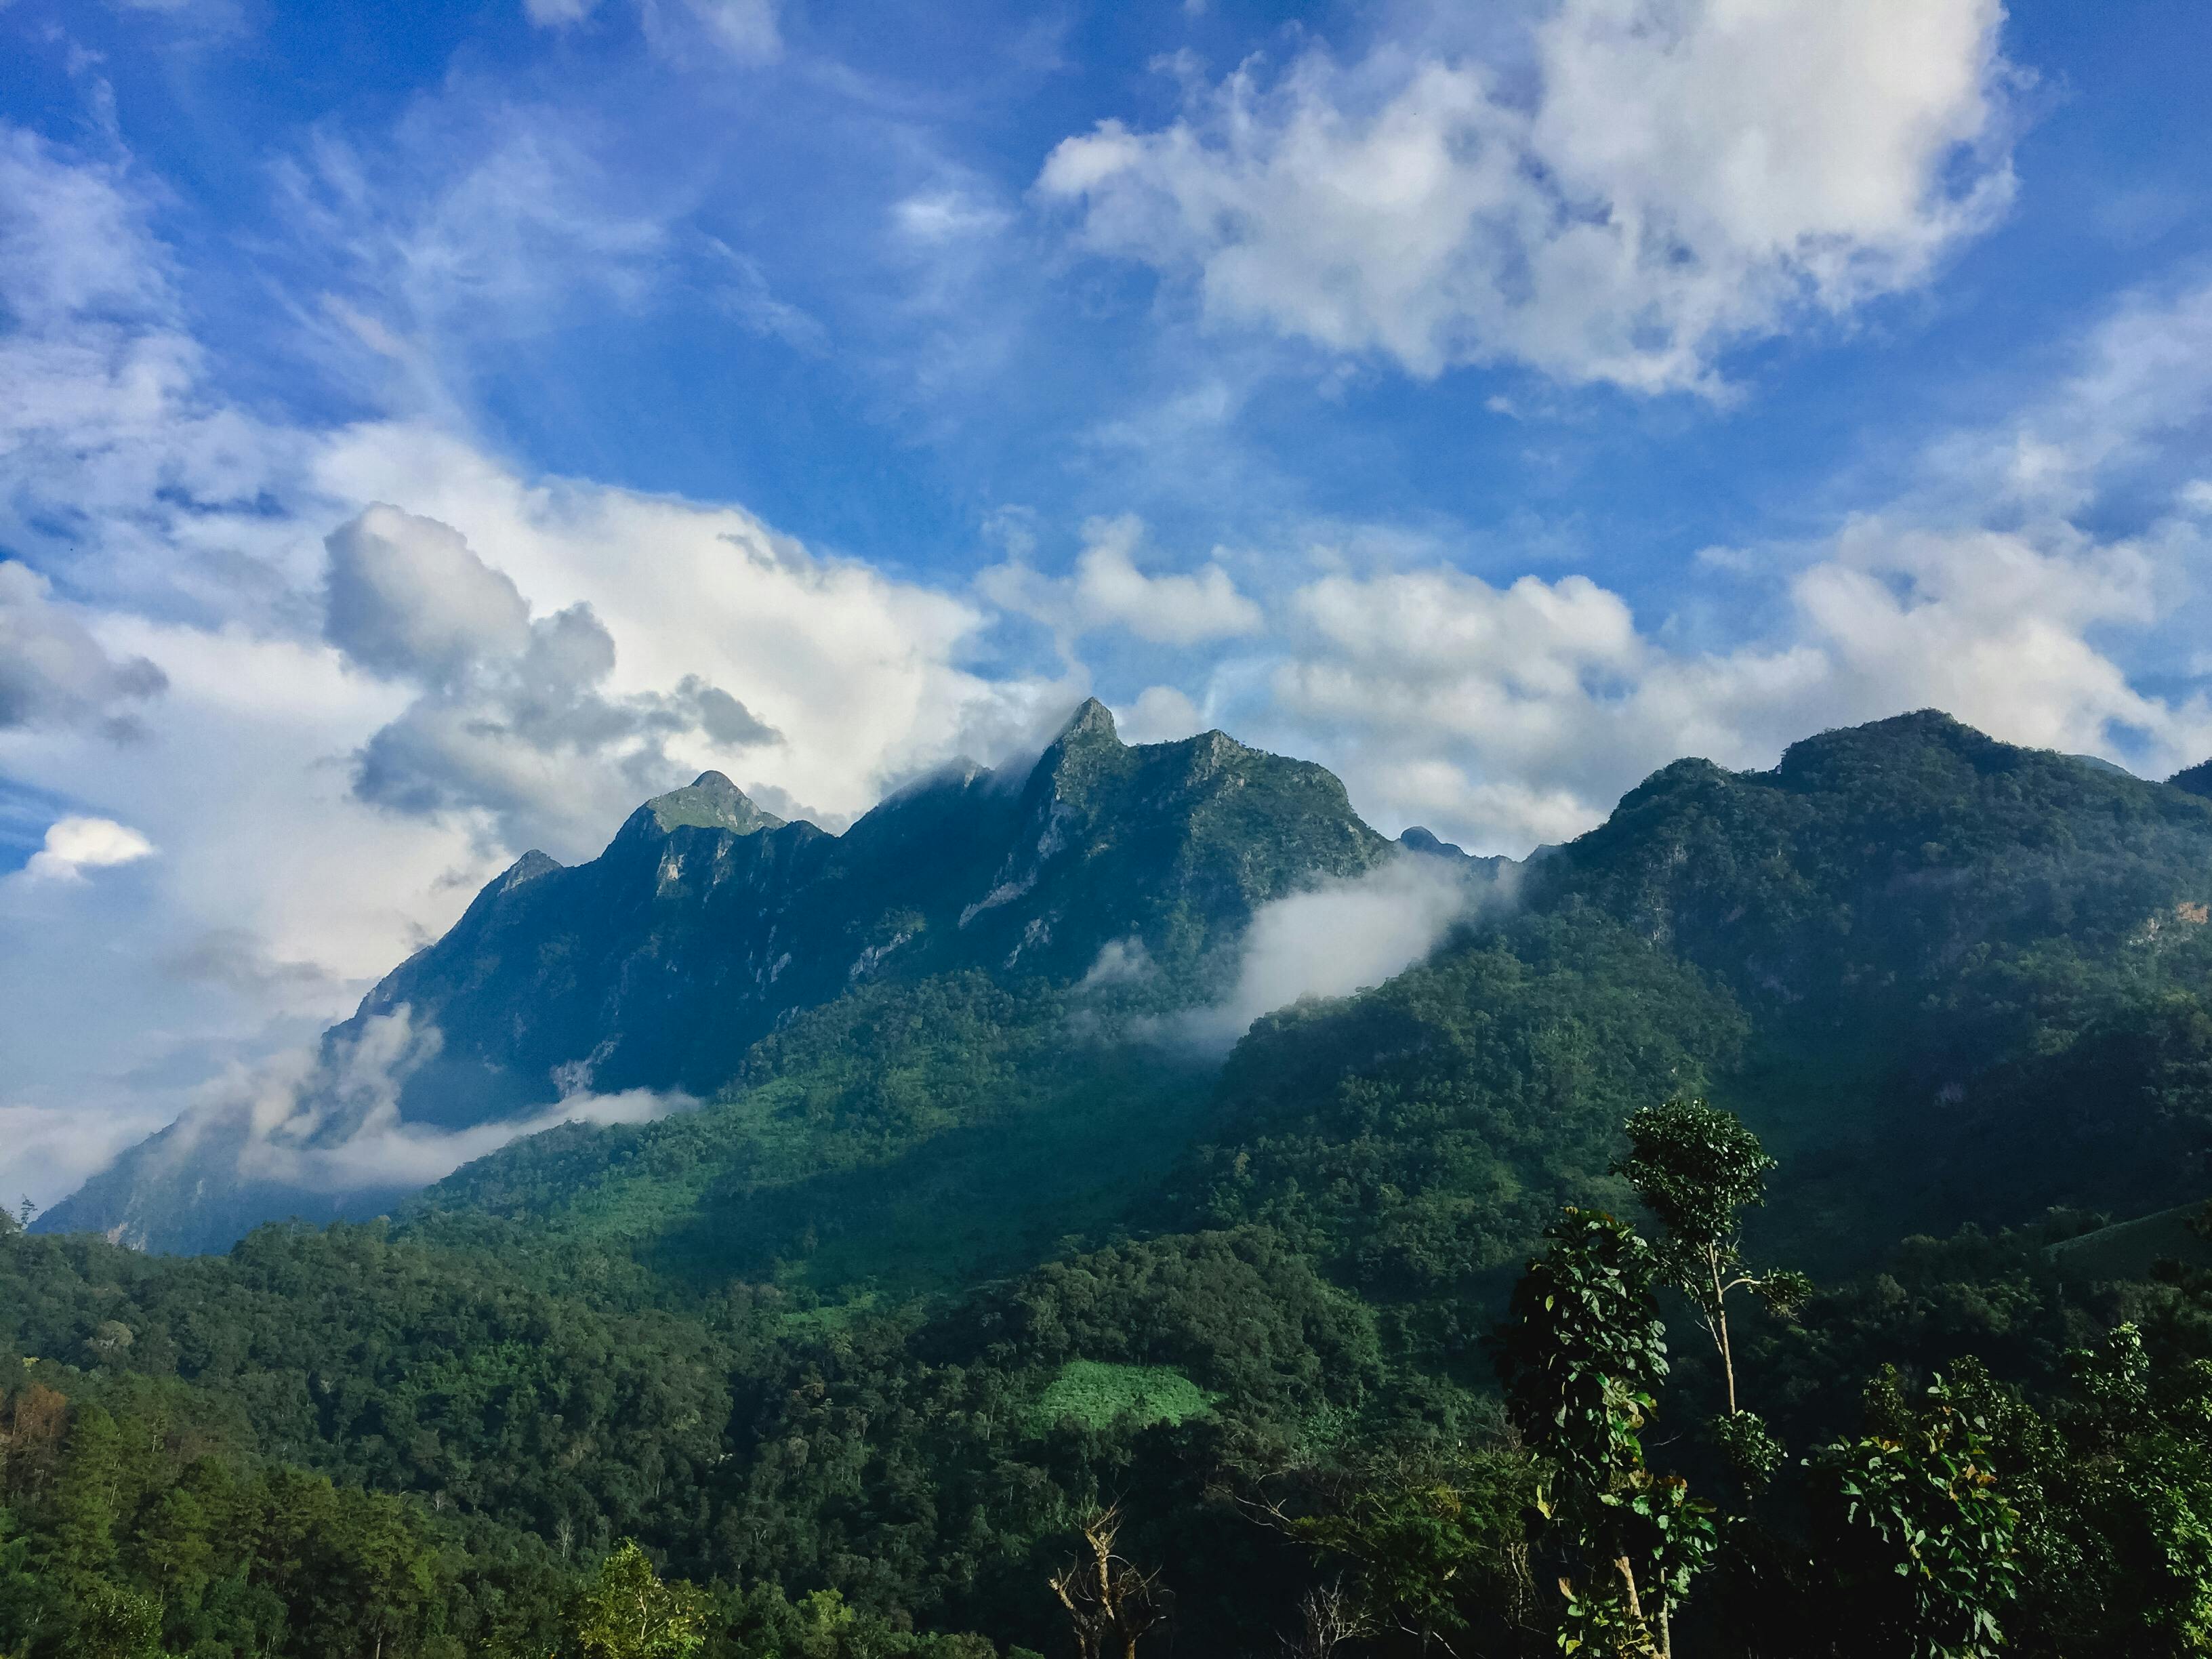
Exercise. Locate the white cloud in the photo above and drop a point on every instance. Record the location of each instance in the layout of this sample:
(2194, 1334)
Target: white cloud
(326, 1120)
(1505, 717)
(558, 14)
(53, 671)
(1685, 175)
(513, 717)
(1336, 939)
(197, 537)
(1160, 714)
(404, 597)
(75, 845)
(1511, 717)
(1108, 590)
(947, 214)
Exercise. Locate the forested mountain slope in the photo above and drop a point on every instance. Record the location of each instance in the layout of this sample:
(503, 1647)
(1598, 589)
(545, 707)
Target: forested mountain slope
(707, 924)
(1953, 979)
(958, 1253)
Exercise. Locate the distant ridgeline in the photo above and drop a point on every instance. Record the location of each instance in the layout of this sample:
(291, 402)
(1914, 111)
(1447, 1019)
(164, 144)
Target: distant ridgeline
(969, 1226)
(933, 1046)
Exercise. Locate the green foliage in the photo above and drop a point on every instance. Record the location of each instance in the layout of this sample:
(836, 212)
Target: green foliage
(1420, 1136)
(1434, 1536)
(948, 1259)
(1583, 1357)
(114, 1623)
(1697, 1169)
(1751, 1449)
(625, 1612)
(1919, 1531)
(911, 1136)
(1099, 1395)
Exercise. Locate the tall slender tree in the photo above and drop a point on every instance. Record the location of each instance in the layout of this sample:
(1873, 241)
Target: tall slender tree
(1698, 1169)
(1582, 1358)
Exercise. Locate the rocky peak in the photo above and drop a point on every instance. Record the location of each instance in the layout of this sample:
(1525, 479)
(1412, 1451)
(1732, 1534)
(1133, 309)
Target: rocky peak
(710, 801)
(1087, 753)
(1091, 724)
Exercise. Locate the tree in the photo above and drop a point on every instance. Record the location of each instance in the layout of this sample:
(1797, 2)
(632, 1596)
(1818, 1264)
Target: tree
(1429, 1532)
(1582, 1358)
(1327, 1619)
(115, 1623)
(87, 1494)
(2116, 1527)
(1698, 1169)
(625, 1612)
(1919, 1534)
(1110, 1603)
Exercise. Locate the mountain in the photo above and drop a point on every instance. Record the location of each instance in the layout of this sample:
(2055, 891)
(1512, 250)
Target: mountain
(1914, 958)
(708, 925)
(1947, 979)
(985, 1220)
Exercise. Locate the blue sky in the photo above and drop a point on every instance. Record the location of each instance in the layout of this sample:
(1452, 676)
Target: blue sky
(430, 429)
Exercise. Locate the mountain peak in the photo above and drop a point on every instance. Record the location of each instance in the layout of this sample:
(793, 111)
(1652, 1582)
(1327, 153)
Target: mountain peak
(1091, 723)
(2196, 780)
(710, 801)
(531, 866)
(1419, 838)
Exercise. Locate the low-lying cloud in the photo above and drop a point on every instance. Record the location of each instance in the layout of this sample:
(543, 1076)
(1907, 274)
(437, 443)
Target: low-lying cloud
(328, 1121)
(1342, 937)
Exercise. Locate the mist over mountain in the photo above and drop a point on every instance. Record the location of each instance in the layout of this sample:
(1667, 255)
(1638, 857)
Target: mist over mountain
(629, 985)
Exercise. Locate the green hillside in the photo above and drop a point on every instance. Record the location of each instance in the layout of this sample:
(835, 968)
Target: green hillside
(975, 1242)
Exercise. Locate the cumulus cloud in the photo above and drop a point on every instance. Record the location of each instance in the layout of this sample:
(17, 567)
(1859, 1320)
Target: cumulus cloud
(1108, 589)
(195, 537)
(53, 671)
(75, 845)
(1683, 174)
(405, 598)
(1160, 714)
(1337, 938)
(513, 720)
(1517, 716)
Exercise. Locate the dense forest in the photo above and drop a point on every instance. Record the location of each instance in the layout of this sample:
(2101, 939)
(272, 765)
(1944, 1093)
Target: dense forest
(1772, 1224)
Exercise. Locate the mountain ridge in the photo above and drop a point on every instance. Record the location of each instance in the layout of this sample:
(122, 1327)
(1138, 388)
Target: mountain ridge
(707, 923)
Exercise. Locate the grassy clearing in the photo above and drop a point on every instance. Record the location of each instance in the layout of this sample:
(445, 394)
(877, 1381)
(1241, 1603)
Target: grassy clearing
(1099, 1395)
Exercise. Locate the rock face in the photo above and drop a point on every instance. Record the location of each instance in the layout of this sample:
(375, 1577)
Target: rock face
(707, 922)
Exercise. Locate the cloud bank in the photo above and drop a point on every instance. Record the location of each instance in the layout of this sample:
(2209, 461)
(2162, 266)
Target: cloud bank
(330, 1122)
(1683, 175)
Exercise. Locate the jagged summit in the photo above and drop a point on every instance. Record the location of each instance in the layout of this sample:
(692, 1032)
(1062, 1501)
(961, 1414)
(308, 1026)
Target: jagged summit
(2194, 779)
(1091, 723)
(709, 801)
(531, 866)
